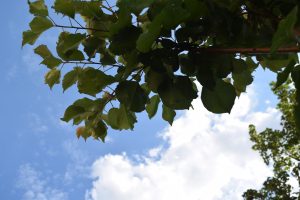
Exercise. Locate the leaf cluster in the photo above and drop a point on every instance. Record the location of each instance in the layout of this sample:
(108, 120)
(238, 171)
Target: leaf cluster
(136, 55)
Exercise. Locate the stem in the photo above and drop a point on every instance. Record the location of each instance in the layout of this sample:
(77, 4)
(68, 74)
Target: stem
(266, 50)
(88, 63)
(79, 28)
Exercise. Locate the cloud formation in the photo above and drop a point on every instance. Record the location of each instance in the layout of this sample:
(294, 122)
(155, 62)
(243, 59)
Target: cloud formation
(36, 187)
(208, 157)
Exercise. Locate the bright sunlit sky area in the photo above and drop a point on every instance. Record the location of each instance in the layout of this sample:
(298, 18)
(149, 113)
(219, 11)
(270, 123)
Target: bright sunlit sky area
(202, 156)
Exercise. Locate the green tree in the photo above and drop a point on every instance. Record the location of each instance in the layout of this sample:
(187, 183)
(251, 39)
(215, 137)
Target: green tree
(281, 150)
(131, 56)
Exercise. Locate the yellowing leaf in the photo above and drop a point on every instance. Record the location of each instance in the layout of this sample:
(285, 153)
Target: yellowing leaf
(52, 77)
(40, 24)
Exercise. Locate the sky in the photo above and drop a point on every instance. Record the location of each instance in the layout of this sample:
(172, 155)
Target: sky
(202, 156)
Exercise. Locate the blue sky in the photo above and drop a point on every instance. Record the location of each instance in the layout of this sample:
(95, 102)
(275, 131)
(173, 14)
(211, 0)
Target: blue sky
(42, 157)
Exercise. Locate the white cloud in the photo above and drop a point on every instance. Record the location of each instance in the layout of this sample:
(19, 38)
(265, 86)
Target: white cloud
(208, 157)
(36, 187)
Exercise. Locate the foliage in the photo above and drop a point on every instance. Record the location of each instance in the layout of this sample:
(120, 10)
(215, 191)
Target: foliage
(135, 55)
(281, 149)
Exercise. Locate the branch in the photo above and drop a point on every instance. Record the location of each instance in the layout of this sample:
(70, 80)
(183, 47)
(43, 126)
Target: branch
(79, 28)
(88, 63)
(265, 50)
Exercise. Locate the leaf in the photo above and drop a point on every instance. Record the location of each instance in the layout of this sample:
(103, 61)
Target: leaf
(71, 78)
(100, 131)
(49, 60)
(65, 7)
(146, 39)
(72, 112)
(92, 81)
(285, 29)
(121, 118)
(93, 45)
(221, 99)
(132, 95)
(276, 62)
(40, 24)
(136, 6)
(83, 132)
(52, 77)
(177, 94)
(38, 8)
(107, 59)
(29, 37)
(242, 80)
(125, 40)
(296, 76)
(152, 106)
(81, 109)
(168, 114)
(124, 19)
(283, 75)
(67, 46)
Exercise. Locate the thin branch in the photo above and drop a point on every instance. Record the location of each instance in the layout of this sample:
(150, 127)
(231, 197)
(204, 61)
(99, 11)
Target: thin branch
(266, 50)
(79, 28)
(88, 63)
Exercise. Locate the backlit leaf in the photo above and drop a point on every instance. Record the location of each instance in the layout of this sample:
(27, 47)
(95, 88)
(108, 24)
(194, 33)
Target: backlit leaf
(221, 99)
(92, 81)
(52, 77)
(132, 95)
(121, 118)
(168, 114)
(29, 37)
(38, 8)
(285, 29)
(65, 7)
(40, 24)
(152, 106)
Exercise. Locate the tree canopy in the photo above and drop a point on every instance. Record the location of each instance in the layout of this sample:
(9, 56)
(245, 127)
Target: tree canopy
(138, 54)
(281, 150)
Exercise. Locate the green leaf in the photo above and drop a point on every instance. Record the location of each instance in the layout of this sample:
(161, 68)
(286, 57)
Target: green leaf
(49, 60)
(40, 24)
(89, 9)
(284, 33)
(147, 38)
(178, 93)
(92, 81)
(29, 37)
(136, 6)
(65, 7)
(72, 112)
(125, 40)
(168, 114)
(124, 19)
(38, 8)
(107, 59)
(132, 95)
(52, 77)
(93, 45)
(242, 80)
(71, 78)
(276, 62)
(83, 108)
(100, 131)
(296, 76)
(284, 75)
(152, 106)
(67, 46)
(121, 118)
(221, 99)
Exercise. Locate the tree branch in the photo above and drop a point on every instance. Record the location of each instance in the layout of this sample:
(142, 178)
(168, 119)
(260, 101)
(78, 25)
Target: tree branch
(264, 50)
